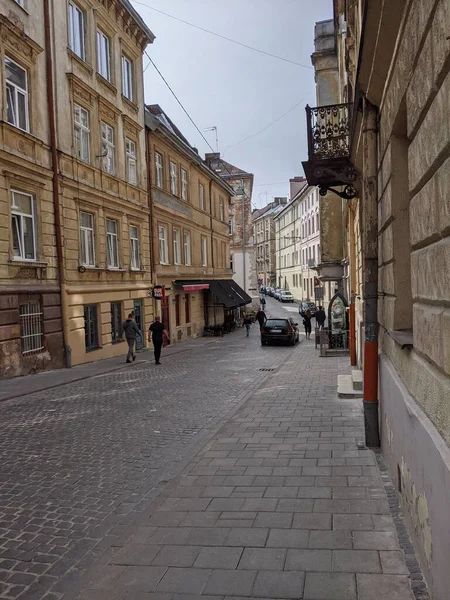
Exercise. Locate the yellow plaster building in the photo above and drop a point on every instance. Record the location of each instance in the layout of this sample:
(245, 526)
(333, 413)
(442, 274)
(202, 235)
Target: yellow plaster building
(191, 236)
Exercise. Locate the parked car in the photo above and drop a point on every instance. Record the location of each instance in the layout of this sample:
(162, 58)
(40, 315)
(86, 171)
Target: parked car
(269, 291)
(286, 297)
(279, 330)
(276, 293)
(304, 306)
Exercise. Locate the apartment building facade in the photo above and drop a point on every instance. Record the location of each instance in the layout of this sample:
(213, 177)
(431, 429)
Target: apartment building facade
(242, 246)
(190, 233)
(31, 337)
(265, 241)
(392, 101)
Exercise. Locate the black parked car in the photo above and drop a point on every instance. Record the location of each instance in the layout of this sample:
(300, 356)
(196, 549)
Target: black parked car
(279, 330)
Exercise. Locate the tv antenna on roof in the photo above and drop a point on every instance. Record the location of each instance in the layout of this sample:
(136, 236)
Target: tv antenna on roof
(217, 136)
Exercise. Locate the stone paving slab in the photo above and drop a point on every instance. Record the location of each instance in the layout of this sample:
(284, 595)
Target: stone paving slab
(255, 515)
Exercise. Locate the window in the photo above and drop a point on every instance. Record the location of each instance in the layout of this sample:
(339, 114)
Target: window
(204, 250)
(116, 322)
(16, 95)
(82, 133)
(22, 3)
(184, 184)
(112, 244)
(108, 147)
(221, 209)
(230, 226)
(159, 170)
(90, 327)
(176, 247)
(134, 248)
(130, 152)
(173, 178)
(162, 234)
(23, 225)
(177, 310)
(87, 239)
(187, 308)
(103, 55)
(31, 338)
(187, 248)
(317, 221)
(76, 30)
(201, 196)
(127, 77)
(312, 224)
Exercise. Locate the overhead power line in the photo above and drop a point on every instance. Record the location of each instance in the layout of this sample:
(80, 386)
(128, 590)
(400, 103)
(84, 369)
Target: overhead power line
(223, 37)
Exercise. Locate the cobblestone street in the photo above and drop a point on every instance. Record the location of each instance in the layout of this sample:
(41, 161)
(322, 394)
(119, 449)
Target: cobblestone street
(157, 482)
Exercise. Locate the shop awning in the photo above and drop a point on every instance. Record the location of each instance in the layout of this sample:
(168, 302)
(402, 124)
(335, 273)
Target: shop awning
(226, 291)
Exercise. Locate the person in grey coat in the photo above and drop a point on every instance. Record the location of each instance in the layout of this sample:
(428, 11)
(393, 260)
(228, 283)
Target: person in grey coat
(131, 331)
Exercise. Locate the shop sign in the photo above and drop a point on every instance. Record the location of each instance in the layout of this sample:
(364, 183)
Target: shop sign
(159, 292)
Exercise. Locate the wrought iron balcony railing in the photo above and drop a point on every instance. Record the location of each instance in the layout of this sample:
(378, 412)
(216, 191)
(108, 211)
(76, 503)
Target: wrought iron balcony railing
(329, 152)
(328, 131)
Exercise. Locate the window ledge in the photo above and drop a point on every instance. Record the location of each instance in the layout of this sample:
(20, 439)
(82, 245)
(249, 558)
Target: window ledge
(115, 270)
(138, 270)
(90, 268)
(106, 83)
(130, 103)
(403, 338)
(80, 60)
(28, 263)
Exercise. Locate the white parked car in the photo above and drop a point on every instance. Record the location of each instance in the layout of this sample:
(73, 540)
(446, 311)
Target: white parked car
(286, 297)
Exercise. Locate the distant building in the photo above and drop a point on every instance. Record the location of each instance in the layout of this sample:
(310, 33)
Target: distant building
(242, 249)
(264, 239)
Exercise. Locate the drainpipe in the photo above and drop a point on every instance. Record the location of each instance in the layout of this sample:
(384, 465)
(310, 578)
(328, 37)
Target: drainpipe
(148, 167)
(211, 225)
(352, 267)
(370, 253)
(55, 182)
(244, 287)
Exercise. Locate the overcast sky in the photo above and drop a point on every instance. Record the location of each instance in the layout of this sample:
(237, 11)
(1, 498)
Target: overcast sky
(238, 90)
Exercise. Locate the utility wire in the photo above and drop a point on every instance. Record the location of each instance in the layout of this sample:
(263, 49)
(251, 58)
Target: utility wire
(267, 126)
(293, 62)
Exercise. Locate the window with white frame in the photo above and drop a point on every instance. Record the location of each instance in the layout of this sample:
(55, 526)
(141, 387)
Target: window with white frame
(22, 3)
(176, 247)
(201, 196)
(134, 248)
(127, 77)
(159, 168)
(16, 95)
(173, 178)
(130, 154)
(317, 221)
(184, 184)
(77, 30)
(221, 209)
(103, 55)
(163, 251)
(31, 337)
(204, 249)
(87, 239)
(107, 133)
(82, 133)
(112, 244)
(23, 225)
(187, 248)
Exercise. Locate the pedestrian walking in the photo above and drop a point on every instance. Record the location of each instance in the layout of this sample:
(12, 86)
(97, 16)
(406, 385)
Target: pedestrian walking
(261, 317)
(263, 301)
(247, 325)
(131, 331)
(157, 333)
(307, 323)
(320, 317)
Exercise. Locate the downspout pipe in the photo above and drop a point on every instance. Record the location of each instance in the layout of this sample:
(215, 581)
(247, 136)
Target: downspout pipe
(370, 248)
(244, 273)
(55, 183)
(148, 167)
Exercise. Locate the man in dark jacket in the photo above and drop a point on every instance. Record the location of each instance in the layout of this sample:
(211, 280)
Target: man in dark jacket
(261, 317)
(320, 317)
(131, 331)
(156, 333)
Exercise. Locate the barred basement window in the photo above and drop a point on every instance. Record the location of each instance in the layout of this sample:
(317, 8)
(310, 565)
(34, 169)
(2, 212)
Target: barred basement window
(31, 337)
(90, 327)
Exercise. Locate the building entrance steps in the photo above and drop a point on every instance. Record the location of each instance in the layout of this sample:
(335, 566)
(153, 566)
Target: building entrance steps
(350, 386)
(283, 501)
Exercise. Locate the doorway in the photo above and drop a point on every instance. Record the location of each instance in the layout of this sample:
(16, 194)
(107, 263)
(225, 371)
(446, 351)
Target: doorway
(165, 313)
(139, 322)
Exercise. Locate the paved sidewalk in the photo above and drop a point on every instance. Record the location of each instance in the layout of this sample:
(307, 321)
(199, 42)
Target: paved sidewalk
(282, 503)
(30, 384)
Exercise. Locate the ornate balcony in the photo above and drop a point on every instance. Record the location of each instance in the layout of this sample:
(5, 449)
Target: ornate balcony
(329, 163)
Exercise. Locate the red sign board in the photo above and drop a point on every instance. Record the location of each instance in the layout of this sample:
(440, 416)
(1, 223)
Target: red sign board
(159, 292)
